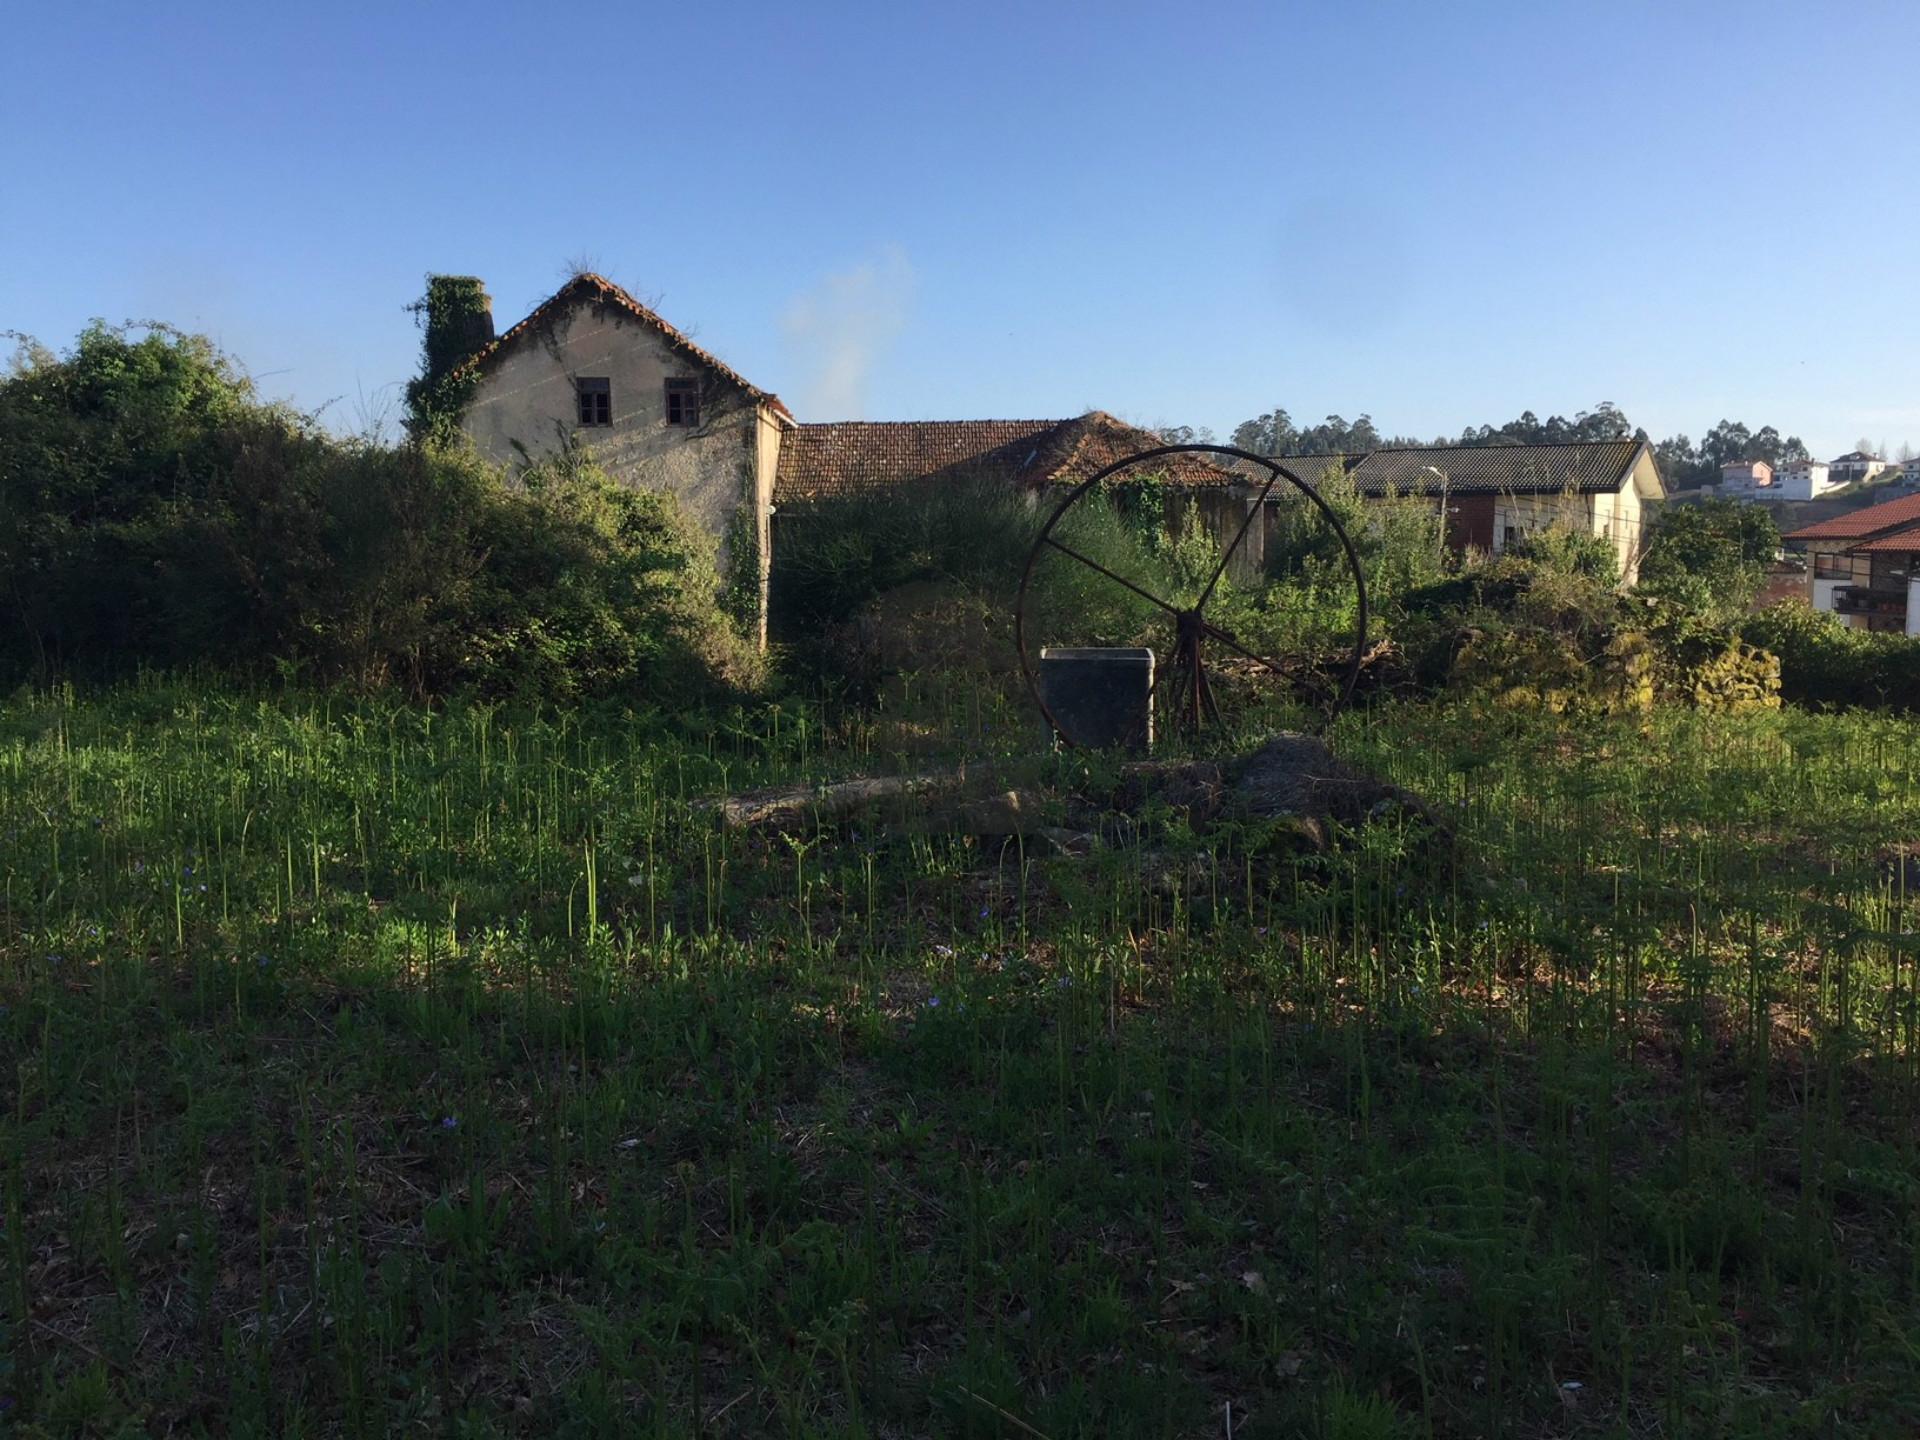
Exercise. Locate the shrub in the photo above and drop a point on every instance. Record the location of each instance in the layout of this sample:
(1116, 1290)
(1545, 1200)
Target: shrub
(1562, 550)
(1537, 669)
(1401, 548)
(1827, 663)
(1544, 627)
(927, 575)
(152, 512)
(100, 456)
(1711, 557)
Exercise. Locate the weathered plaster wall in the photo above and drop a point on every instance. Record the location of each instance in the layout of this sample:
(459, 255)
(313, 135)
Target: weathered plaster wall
(1823, 595)
(769, 428)
(1530, 514)
(526, 394)
(1619, 518)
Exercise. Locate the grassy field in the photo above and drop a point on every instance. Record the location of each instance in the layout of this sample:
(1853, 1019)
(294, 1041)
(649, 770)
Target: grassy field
(378, 1070)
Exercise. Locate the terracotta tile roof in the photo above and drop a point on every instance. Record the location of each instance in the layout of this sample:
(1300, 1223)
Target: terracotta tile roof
(1096, 440)
(1906, 539)
(853, 457)
(598, 290)
(1868, 520)
(1589, 468)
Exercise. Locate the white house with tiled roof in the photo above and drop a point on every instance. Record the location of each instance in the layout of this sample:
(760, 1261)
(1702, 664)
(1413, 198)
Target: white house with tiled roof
(1855, 465)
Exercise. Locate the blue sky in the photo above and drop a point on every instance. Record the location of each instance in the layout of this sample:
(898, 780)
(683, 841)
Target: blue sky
(1441, 214)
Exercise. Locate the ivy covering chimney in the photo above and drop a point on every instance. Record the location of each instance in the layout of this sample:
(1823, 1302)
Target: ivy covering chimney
(457, 317)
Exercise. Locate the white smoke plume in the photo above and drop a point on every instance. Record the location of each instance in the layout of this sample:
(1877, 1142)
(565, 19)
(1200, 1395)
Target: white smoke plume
(838, 330)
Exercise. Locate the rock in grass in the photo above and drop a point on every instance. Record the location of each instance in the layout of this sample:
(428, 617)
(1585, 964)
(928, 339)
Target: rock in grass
(1295, 776)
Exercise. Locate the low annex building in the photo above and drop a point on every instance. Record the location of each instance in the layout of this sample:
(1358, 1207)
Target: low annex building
(1495, 496)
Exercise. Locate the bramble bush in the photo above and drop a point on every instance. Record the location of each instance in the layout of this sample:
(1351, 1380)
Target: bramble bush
(1546, 626)
(153, 512)
(923, 577)
(1826, 663)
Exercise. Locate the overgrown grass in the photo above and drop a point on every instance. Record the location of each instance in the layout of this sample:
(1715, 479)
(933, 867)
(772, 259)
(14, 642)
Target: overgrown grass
(378, 1069)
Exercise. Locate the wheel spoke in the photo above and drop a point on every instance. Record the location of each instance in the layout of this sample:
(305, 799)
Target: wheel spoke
(1258, 508)
(1095, 565)
(1216, 633)
(1211, 700)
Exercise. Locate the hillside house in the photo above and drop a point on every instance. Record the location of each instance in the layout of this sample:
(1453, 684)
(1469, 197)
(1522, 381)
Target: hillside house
(1745, 477)
(1864, 566)
(1855, 465)
(1804, 479)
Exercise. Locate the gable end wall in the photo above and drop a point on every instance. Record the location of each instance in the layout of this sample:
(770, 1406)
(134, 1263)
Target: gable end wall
(526, 394)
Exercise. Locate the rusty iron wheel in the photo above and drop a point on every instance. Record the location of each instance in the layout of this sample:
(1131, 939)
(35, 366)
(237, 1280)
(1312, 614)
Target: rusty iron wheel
(1194, 701)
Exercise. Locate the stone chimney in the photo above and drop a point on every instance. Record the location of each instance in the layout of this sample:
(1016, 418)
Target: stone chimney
(459, 315)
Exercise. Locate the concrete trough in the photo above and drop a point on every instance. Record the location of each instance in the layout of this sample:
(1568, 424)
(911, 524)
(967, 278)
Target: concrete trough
(1101, 696)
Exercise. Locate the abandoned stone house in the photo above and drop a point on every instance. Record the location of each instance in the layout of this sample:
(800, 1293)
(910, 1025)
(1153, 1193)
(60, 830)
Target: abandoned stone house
(593, 366)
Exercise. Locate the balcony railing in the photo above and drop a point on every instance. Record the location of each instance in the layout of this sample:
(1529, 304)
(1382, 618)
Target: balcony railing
(1864, 600)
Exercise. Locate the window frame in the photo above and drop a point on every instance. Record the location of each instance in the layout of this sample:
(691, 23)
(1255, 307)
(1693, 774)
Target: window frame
(593, 401)
(681, 404)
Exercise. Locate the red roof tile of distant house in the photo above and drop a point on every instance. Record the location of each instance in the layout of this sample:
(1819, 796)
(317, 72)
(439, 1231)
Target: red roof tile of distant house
(1868, 521)
(1906, 539)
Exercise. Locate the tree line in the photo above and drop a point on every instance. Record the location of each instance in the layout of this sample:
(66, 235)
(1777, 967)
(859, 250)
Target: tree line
(1684, 464)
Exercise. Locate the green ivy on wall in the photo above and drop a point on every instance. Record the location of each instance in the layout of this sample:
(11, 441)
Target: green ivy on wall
(457, 318)
(741, 596)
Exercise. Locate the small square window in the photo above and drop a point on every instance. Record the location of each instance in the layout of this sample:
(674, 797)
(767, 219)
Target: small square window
(683, 402)
(594, 395)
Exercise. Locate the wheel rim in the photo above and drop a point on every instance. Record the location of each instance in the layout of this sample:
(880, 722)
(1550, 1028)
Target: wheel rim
(1192, 630)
